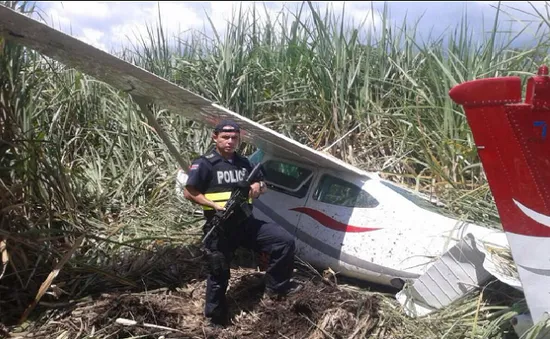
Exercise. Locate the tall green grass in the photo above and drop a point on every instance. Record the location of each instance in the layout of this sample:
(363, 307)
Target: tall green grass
(310, 75)
(78, 157)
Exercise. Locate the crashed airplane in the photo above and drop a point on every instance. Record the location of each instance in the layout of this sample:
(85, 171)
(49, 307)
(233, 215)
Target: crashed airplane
(353, 221)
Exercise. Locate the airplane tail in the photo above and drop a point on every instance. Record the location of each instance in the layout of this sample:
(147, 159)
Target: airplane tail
(512, 142)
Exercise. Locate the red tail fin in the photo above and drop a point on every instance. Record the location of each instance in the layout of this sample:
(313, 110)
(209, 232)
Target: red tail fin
(512, 141)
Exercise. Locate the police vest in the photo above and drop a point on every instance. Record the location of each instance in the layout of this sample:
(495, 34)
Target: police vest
(224, 178)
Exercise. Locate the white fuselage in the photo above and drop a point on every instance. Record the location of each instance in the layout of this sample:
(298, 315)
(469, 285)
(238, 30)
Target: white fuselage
(359, 226)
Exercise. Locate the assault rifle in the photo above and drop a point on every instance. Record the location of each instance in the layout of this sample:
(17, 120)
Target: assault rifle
(238, 198)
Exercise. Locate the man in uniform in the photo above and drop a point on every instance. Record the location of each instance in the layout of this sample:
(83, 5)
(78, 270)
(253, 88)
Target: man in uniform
(211, 179)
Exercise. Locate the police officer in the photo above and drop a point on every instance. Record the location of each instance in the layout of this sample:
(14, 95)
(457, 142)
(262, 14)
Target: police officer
(211, 179)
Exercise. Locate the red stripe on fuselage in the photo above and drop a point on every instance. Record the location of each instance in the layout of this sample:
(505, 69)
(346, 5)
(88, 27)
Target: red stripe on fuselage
(329, 222)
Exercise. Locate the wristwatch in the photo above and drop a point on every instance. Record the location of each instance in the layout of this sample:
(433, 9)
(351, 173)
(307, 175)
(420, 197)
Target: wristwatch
(262, 185)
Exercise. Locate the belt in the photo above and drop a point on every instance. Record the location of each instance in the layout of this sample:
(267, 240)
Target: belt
(220, 198)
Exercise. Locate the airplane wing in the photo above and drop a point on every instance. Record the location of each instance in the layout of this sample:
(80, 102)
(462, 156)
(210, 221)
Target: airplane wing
(141, 83)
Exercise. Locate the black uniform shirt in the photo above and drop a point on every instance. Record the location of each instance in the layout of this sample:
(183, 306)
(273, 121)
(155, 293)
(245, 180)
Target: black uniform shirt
(200, 174)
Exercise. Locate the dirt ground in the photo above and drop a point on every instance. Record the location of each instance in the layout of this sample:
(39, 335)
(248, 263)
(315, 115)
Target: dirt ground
(321, 310)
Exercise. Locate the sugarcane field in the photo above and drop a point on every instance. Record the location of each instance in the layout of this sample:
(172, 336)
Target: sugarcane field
(317, 170)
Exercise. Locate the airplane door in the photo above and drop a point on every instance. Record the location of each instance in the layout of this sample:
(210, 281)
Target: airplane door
(289, 185)
(338, 207)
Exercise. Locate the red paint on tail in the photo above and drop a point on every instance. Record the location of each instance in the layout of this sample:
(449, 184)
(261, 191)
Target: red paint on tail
(513, 143)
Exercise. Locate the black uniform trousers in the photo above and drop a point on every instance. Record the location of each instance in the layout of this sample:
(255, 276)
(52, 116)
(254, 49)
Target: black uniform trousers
(256, 235)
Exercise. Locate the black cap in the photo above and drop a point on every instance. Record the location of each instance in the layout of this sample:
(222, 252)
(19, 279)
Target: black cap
(233, 126)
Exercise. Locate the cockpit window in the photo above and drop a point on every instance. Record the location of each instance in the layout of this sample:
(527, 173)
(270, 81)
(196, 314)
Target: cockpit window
(335, 191)
(256, 157)
(287, 178)
(418, 201)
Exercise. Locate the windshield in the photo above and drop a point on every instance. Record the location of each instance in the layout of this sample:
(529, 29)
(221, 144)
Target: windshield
(418, 201)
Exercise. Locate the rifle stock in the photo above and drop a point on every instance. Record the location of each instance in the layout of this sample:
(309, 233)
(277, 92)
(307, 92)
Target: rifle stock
(238, 196)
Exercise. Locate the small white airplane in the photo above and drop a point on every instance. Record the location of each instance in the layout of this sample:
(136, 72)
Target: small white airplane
(342, 217)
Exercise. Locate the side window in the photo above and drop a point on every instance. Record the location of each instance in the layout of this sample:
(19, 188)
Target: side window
(287, 178)
(256, 157)
(332, 190)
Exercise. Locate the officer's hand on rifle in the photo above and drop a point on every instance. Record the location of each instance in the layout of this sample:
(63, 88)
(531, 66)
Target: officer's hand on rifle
(217, 207)
(255, 190)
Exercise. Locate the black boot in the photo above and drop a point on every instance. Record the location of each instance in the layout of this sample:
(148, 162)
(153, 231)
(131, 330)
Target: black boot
(292, 287)
(218, 322)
